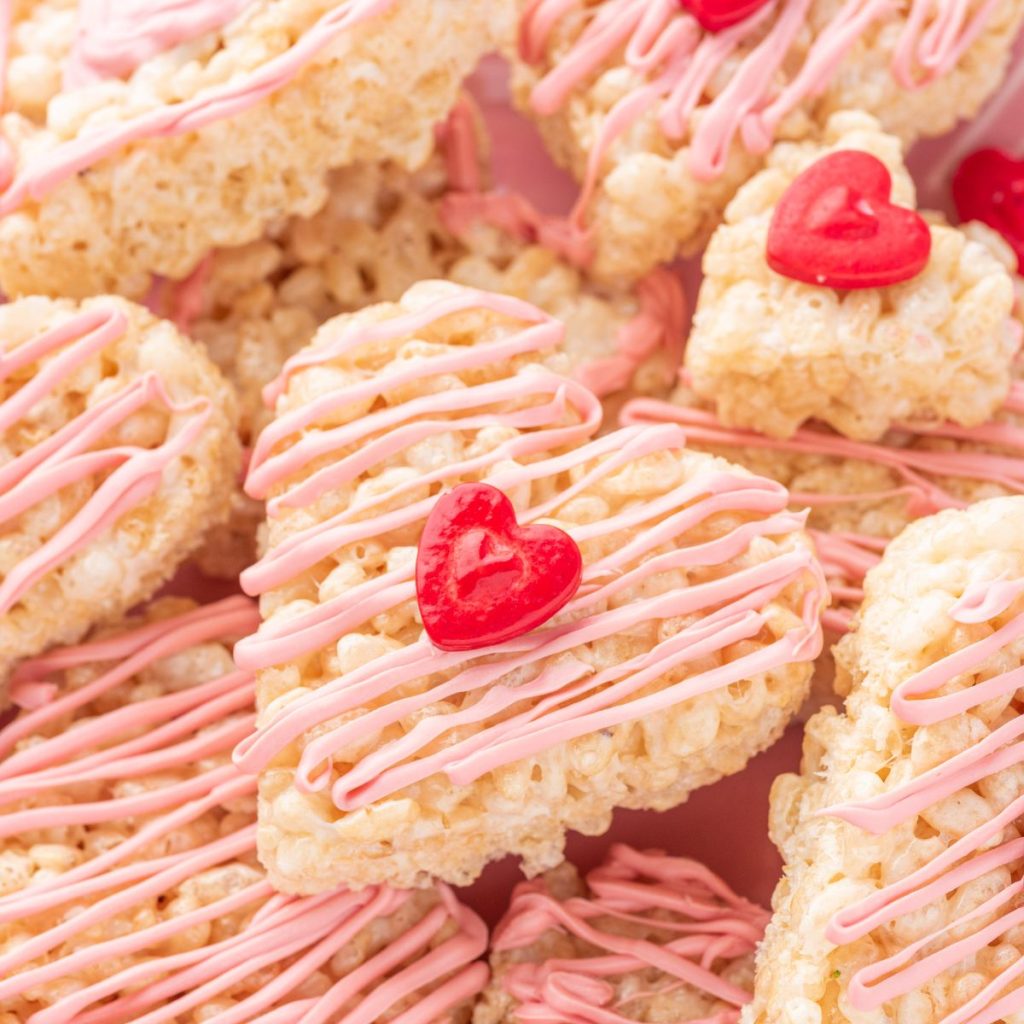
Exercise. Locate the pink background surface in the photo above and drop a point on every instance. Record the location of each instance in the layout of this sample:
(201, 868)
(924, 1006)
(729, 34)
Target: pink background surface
(724, 825)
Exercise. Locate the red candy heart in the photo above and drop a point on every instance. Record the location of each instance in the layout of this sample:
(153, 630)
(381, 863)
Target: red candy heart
(481, 578)
(835, 226)
(989, 186)
(715, 15)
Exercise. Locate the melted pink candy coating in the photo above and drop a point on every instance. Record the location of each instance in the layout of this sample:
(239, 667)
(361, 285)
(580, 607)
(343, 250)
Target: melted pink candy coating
(848, 556)
(182, 727)
(115, 36)
(571, 699)
(659, 326)
(676, 60)
(132, 474)
(152, 31)
(711, 924)
(969, 857)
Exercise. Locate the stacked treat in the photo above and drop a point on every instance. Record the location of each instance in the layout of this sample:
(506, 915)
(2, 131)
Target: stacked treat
(501, 549)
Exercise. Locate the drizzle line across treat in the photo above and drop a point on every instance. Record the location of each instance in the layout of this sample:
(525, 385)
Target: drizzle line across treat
(144, 727)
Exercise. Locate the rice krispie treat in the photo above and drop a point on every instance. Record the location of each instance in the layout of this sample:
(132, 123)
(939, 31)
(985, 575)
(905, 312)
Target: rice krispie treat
(129, 885)
(138, 136)
(645, 937)
(661, 109)
(382, 230)
(386, 756)
(772, 351)
(901, 836)
(118, 450)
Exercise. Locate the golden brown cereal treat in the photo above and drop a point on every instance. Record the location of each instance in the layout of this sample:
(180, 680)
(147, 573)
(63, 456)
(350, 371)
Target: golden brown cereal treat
(197, 125)
(661, 121)
(118, 450)
(901, 835)
(772, 352)
(645, 937)
(686, 649)
(129, 885)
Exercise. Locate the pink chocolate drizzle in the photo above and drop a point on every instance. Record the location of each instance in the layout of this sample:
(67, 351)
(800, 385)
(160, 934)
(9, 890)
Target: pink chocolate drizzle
(924, 474)
(677, 62)
(168, 733)
(75, 452)
(710, 928)
(921, 701)
(568, 699)
(140, 31)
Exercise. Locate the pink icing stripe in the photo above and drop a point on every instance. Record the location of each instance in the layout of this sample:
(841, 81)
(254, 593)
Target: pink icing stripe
(659, 326)
(571, 699)
(179, 729)
(37, 176)
(973, 855)
(131, 475)
(923, 474)
(710, 928)
(675, 60)
(114, 37)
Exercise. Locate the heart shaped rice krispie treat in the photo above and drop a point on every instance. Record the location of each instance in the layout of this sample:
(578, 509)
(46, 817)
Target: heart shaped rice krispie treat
(138, 136)
(901, 836)
(661, 118)
(129, 885)
(685, 650)
(118, 450)
(644, 937)
(382, 230)
(772, 352)
(861, 494)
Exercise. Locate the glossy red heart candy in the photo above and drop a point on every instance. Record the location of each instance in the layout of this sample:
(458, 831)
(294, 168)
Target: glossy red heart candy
(715, 15)
(481, 578)
(989, 186)
(835, 226)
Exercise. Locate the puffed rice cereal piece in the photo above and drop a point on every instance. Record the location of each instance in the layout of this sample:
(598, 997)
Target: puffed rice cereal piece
(645, 937)
(118, 450)
(686, 650)
(772, 353)
(662, 121)
(139, 136)
(129, 885)
(901, 835)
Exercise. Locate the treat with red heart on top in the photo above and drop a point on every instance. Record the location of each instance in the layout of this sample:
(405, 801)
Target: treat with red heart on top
(484, 624)
(989, 186)
(662, 109)
(836, 227)
(823, 299)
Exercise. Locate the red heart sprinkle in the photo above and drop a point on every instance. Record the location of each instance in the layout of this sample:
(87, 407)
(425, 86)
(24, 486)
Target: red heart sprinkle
(715, 15)
(481, 578)
(989, 186)
(835, 226)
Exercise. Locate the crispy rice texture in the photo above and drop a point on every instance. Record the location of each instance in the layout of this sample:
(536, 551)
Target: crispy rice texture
(648, 208)
(772, 353)
(128, 561)
(375, 93)
(378, 234)
(676, 1006)
(437, 829)
(32, 858)
(903, 628)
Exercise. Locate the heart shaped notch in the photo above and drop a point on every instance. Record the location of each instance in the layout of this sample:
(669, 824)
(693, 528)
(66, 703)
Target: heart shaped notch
(481, 578)
(836, 227)
(989, 186)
